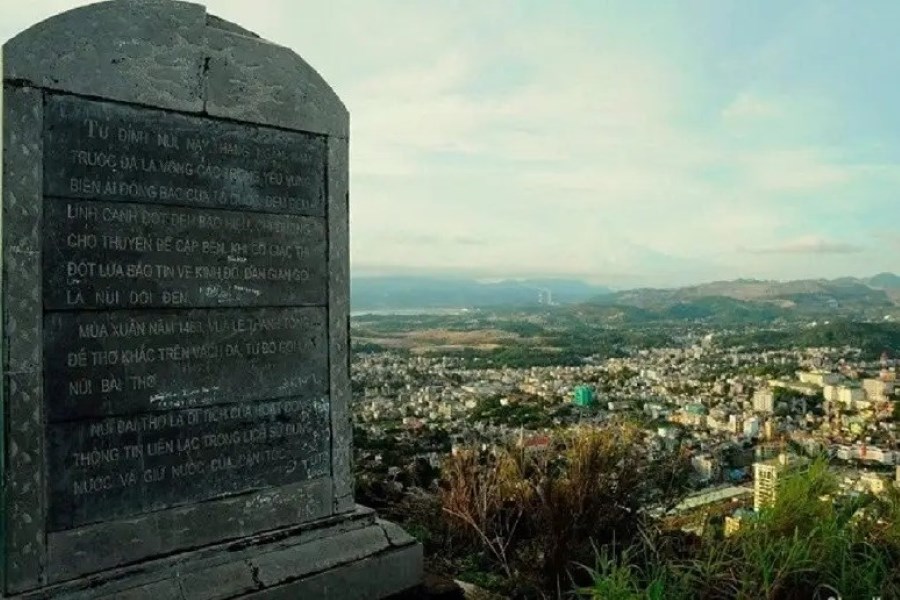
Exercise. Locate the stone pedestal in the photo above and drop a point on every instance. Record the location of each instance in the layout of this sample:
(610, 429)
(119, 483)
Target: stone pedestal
(351, 557)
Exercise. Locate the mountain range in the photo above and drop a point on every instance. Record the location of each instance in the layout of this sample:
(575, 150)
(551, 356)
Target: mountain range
(381, 293)
(755, 301)
(880, 290)
(740, 299)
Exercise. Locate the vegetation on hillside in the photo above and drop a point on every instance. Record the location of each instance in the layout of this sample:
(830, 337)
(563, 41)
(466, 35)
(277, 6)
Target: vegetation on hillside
(872, 338)
(577, 520)
(811, 542)
(515, 519)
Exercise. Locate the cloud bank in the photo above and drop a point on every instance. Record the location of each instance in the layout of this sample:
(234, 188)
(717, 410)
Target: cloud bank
(607, 141)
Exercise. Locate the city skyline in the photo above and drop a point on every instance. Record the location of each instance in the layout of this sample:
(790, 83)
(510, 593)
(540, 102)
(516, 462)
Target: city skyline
(697, 142)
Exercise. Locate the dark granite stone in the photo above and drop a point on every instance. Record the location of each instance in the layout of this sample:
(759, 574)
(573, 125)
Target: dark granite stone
(134, 362)
(286, 93)
(111, 255)
(148, 52)
(339, 322)
(106, 151)
(378, 576)
(239, 520)
(314, 560)
(24, 550)
(121, 466)
(175, 317)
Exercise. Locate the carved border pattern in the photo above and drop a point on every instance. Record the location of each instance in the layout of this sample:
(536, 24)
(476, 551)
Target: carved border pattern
(23, 471)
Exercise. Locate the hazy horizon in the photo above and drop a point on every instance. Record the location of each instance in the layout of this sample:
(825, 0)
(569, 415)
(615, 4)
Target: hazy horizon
(630, 144)
(593, 281)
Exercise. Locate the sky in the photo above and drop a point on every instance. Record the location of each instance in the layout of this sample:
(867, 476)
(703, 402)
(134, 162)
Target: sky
(624, 142)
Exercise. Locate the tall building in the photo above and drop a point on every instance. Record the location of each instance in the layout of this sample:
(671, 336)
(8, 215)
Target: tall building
(819, 378)
(583, 396)
(849, 395)
(764, 401)
(766, 475)
(878, 390)
(751, 427)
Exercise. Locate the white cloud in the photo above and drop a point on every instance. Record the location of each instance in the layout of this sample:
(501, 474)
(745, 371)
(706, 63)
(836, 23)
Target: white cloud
(566, 149)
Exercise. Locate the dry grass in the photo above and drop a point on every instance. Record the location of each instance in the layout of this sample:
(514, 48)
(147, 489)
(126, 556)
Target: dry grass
(536, 513)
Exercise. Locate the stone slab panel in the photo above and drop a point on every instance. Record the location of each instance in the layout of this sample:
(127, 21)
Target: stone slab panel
(273, 568)
(113, 255)
(142, 51)
(286, 93)
(107, 151)
(216, 571)
(105, 363)
(391, 572)
(105, 469)
(354, 562)
(219, 582)
(74, 553)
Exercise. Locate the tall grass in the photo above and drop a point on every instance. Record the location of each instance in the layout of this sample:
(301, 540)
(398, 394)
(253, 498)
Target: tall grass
(534, 513)
(810, 540)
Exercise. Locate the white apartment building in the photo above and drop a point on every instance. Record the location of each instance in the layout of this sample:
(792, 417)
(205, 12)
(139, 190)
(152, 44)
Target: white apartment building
(751, 427)
(819, 378)
(849, 395)
(764, 401)
(766, 475)
(878, 390)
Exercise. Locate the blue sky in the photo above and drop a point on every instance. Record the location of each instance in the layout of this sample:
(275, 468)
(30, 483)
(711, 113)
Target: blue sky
(626, 142)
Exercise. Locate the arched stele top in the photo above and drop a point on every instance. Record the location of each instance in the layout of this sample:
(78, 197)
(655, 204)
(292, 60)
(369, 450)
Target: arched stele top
(173, 55)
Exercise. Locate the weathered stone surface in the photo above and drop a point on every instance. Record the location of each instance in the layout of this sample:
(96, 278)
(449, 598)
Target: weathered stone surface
(339, 322)
(233, 570)
(160, 590)
(219, 582)
(74, 552)
(134, 362)
(116, 255)
(377, 577)
(287, 93)
(277, 567)
(102, 469)
(107, 151)
(22, 393)
(395, 534)
(148, 52)
(175, 318)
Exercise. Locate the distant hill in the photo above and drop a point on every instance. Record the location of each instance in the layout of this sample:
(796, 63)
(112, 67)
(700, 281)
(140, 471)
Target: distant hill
(723, 302)
(873, 338)
(752, 301)
(809, 294)
(885, 281)
(384, 293)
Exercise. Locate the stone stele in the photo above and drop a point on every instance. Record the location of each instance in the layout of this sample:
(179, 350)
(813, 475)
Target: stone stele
(175, 318)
